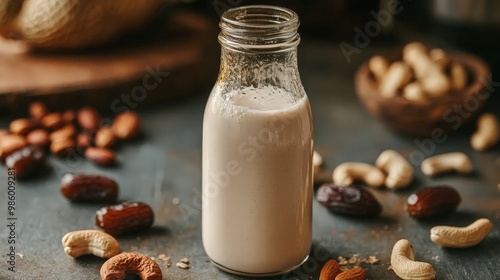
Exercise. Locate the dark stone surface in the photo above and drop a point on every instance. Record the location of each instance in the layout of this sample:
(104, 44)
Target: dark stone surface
(166, 163)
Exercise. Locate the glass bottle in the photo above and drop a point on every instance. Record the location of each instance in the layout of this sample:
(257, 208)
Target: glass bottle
(257, 147)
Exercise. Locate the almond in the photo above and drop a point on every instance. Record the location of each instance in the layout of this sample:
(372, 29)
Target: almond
(126, 125)
(22, 126)
(69, 116)
(100, 156)
(330, 270)
(83, 140)
(67, 131)
(37, 110)
(52, 121)
(38, 137)
(62, 146)
(356, 273)
(88, 119)
(105, 138)
(11, 143)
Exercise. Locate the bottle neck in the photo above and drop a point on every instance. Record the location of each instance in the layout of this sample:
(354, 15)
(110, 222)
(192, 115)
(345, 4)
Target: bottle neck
(259, 48)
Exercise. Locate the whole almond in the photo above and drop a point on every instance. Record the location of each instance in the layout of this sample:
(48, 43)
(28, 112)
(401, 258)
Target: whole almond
(430, 202)
(88, 119)
(105, 138)
(100, 156)
(52, 121)
(38, 137)
(83, 140)
(67, 131)
(69, 116)
(126, 125)
(62, 146)
(22, 126)
(11, 143)
(37, 110)
(356, 273)
(330, 270)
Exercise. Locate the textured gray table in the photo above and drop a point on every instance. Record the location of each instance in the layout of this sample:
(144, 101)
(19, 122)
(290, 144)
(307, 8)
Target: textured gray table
(166, 164)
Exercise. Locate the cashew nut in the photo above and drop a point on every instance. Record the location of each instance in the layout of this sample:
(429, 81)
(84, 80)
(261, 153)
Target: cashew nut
(378, 65)
(396, 77)
(130, 264)
(399, 171)
(404, 265)
(461, 237)
(413, 52)
(85, 242)
(317, 162)
(439, 57)
(348, 172)
(487, 134)
(435, 84)
(413, 91)
(458, 76)
(456, 161)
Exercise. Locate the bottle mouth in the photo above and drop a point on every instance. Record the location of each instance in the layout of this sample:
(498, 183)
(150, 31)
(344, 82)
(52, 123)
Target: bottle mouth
(259, 28)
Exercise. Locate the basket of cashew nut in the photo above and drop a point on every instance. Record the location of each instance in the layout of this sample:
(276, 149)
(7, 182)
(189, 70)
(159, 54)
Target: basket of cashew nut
(420, 91)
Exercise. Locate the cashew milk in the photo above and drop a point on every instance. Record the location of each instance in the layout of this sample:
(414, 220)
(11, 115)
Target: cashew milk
(257, 180)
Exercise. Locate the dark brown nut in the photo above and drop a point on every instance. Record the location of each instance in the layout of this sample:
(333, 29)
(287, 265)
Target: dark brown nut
(89, 188)
(124, 217)
(37, 110)
(26, 161)
(356, 273)
(67, 131)
(130, 264)
(126, 125)
(100, 156)
(62, 147)
(430, 202)
(105, 138)
(83, 140)
(22, 126)
(354, 201)
(11, 143)
(38, 137)
(330, 270)
(52, 121)
(69, 116)
(88, 119)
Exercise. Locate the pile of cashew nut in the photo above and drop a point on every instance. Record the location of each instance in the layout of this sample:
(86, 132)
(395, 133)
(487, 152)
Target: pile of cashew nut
(420, 75)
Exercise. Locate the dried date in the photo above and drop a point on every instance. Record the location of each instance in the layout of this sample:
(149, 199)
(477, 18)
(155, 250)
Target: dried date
(26, 161)
(89, 188)
(124, 217)
(433, 201)
(354, 201)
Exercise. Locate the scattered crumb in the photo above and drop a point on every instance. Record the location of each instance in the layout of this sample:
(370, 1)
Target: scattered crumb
(435, 258)
(182, 265)
(390, 267)
(164, 257)
(169, 264)
(207, 261)
(185, 260)
(176, 201)
(356, 260)
(20, 255)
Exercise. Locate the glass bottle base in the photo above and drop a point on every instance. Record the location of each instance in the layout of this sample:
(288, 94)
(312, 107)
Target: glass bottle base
(257, 275)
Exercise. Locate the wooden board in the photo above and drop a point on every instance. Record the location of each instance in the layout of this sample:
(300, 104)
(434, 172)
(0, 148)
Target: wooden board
(181, 45)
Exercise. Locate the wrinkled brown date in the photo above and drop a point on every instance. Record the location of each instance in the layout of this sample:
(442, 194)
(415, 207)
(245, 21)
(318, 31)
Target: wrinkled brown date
(433, 201)
(351, 200)
(89, 188)
(124, 217)
(26, 161)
